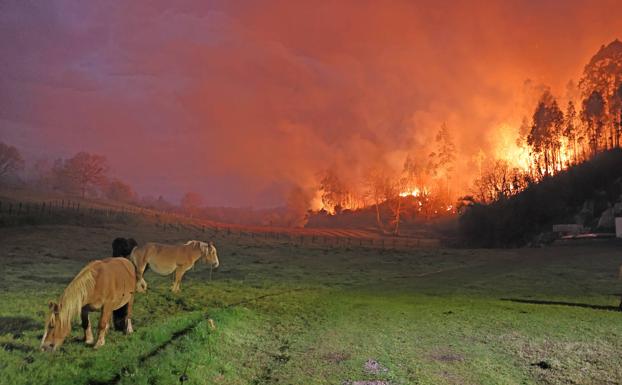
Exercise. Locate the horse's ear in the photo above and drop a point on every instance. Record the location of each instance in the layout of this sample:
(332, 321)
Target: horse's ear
(211, 244)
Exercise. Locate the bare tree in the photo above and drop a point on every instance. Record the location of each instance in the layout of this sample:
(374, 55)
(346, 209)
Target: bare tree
(375, 182)
(10, 160)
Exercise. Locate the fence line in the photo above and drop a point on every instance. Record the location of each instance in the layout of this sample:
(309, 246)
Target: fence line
(45, 211)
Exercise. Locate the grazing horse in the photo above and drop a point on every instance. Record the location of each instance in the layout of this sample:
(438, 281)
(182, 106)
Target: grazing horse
(122, 247)
(165, 259)
(108, 284)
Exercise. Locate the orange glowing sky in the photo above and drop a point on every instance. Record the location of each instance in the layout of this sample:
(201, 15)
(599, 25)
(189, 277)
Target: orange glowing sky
(240, 101)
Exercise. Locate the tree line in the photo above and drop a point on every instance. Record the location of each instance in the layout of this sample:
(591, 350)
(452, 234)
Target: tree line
(558, 137)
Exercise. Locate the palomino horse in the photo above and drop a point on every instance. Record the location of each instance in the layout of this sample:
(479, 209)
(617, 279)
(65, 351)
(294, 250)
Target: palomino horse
(107, 284)
(165, 259)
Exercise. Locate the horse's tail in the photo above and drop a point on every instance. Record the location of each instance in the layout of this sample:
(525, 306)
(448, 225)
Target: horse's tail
(134, 256)
(137, 257)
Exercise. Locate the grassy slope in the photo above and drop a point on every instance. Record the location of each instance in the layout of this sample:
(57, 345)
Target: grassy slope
(292, 315)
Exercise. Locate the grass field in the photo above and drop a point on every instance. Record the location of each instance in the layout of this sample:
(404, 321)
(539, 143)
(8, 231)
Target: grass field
(287, 314)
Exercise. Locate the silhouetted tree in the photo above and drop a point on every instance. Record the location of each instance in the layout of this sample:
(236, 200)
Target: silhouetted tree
(544, 137)
(593, 114)
(603, 74)
(570, 128)
(10, 160)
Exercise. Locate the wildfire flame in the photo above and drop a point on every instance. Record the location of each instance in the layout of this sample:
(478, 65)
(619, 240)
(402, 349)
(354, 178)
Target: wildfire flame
(416, 192)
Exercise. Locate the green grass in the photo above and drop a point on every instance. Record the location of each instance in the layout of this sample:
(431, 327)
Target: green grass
(314, 315)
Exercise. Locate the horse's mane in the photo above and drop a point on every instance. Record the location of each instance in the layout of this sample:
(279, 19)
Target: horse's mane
(195, 243)
(75, 295)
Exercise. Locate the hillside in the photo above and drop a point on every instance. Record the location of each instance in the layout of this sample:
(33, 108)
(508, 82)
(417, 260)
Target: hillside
(577, 195)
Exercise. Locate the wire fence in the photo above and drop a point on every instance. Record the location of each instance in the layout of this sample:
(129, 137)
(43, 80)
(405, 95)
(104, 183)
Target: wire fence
(72, 212)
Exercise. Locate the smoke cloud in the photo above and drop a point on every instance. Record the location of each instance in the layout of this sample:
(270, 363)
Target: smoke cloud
(245, 101)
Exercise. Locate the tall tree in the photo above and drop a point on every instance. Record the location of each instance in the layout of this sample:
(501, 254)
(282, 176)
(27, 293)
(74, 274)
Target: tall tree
(603, 74)
(617, 112)
(444, 156)
(570, 128)
(593, 114)
(375, 182)
(10, 159)
(544, 135)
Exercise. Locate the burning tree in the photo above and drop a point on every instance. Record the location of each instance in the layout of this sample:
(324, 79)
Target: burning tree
(335, 195)
(498, 181)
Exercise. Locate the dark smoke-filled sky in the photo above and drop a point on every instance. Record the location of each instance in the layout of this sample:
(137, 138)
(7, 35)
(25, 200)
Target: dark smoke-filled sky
(242, 100)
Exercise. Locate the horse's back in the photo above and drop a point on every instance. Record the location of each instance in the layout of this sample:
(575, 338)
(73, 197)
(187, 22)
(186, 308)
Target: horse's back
(163, 258)
(115, 281)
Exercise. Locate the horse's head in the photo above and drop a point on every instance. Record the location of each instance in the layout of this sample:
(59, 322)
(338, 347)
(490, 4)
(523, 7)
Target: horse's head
(210, 255)
(55, 330)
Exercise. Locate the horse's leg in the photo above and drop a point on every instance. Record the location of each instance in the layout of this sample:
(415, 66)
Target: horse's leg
(104, 324)
(118, 318)
(179, 273)
(141, 265)
(128, 316)
(86, 325)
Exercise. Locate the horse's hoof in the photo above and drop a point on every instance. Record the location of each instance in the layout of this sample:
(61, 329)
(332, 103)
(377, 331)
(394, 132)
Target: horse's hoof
(89, 342)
